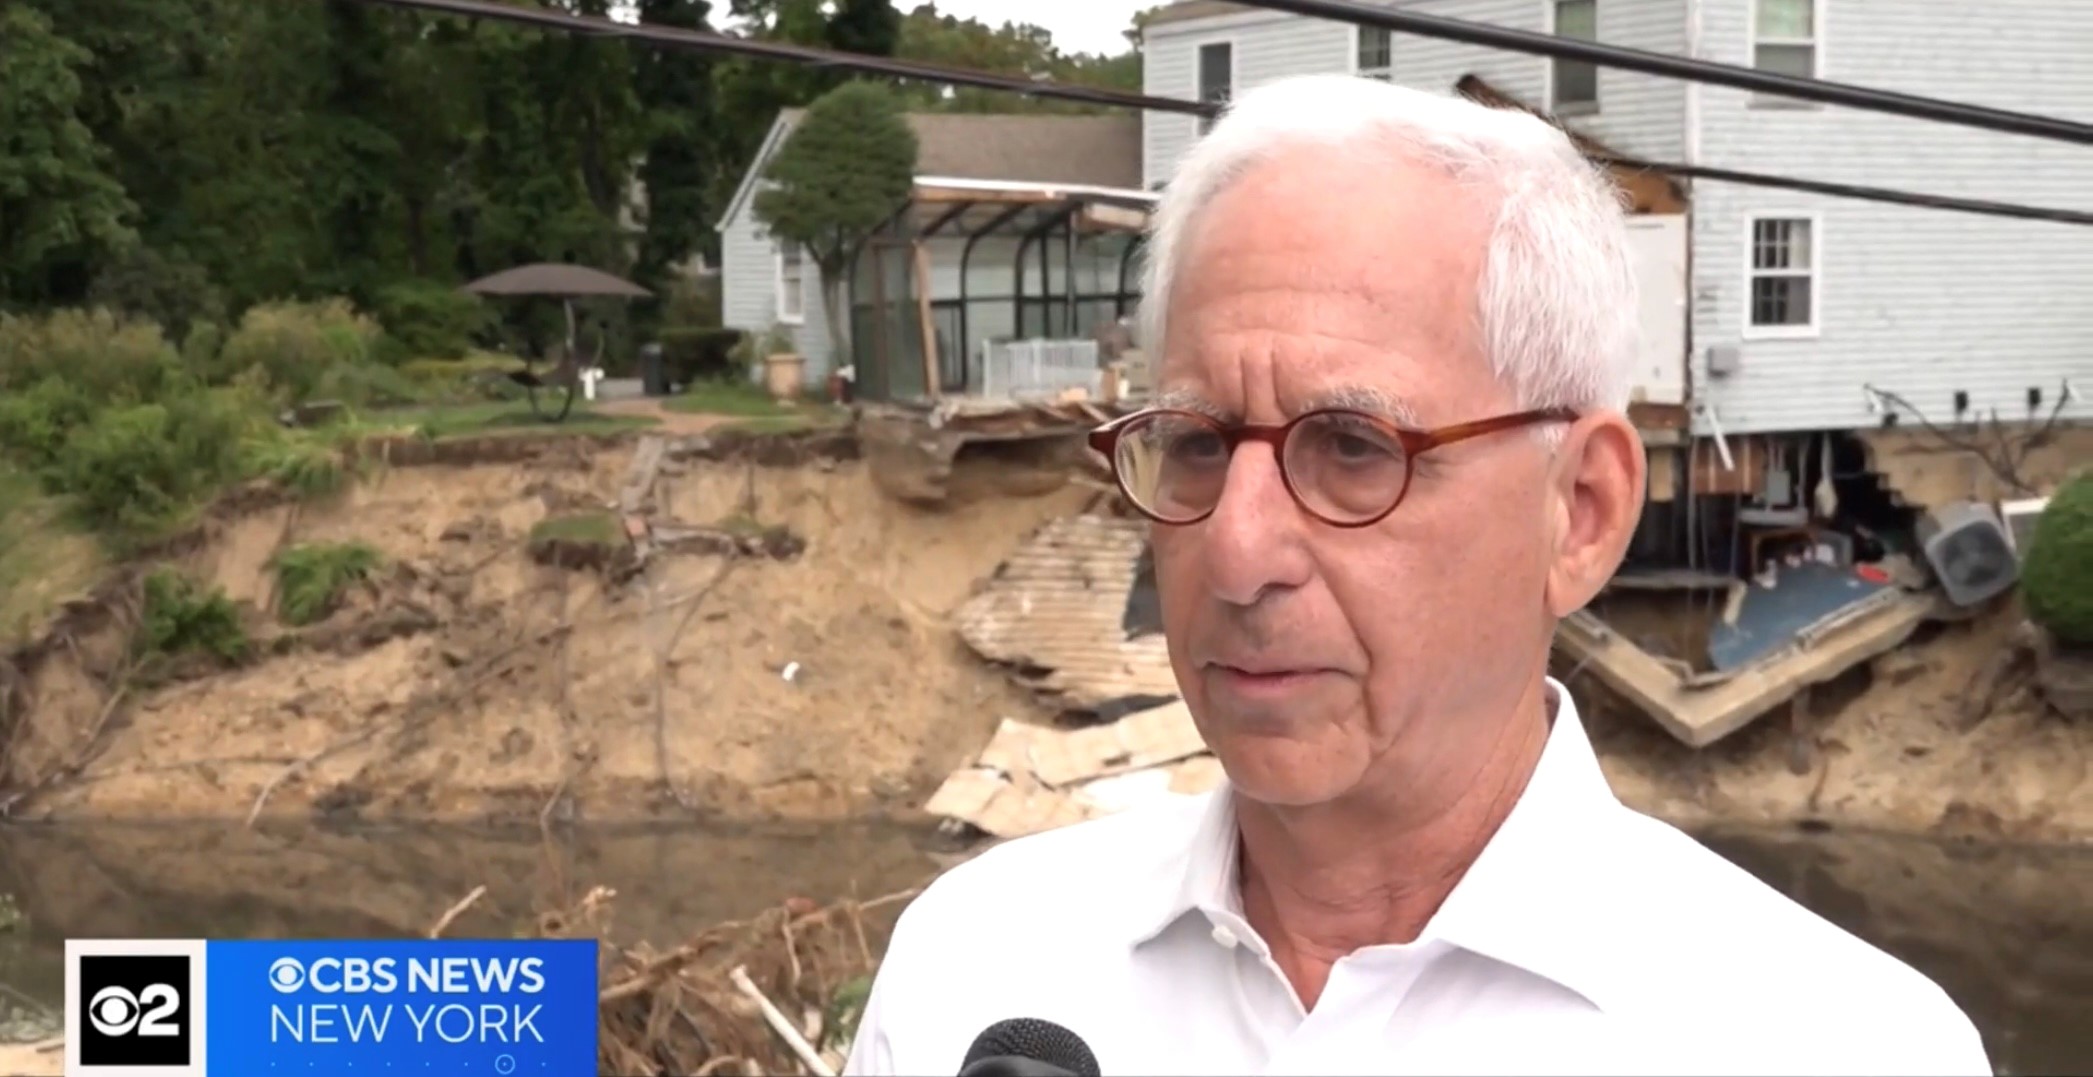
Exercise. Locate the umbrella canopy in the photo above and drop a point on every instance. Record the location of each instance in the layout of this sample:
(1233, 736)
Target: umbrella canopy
(556, 280)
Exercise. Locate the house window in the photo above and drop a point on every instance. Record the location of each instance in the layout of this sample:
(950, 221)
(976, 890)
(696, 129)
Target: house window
(1216, 77)
(1784, 37)
(1783, 274)
(1376, 55)
(792, 286)
(1575, 83)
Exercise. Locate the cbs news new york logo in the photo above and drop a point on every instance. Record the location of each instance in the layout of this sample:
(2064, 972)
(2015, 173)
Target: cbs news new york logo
(133, 1006)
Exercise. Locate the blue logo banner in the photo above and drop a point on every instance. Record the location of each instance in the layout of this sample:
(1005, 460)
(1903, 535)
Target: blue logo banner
(522, 1008)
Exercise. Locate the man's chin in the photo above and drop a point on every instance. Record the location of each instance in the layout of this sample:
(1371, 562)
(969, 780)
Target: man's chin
(1286, 774)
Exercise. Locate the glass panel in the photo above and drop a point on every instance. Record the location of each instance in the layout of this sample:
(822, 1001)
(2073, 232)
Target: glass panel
(1216, 71)
(1780, 301)
(1797, 60)
(1576, 83)
(1790, 19)
(1375, 48)
(1578, 19)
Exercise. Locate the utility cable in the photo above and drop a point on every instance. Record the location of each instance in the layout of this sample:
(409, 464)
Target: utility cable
(710, 41)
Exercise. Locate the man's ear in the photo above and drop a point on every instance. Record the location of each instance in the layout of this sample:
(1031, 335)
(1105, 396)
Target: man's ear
(1600, 471)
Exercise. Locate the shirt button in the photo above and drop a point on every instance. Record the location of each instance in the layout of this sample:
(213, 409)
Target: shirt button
(1224, 936)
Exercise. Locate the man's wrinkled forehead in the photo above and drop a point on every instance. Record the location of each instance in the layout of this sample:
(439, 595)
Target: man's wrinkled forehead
(1365, 398)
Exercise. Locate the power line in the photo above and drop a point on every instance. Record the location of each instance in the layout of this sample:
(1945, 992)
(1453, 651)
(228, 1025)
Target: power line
(705, 41)
(1685, 68)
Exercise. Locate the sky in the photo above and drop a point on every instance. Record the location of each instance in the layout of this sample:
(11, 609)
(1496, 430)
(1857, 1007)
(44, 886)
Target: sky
(1077, 25)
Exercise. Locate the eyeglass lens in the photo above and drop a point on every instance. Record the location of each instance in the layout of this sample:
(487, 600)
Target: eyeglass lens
(1344, 467)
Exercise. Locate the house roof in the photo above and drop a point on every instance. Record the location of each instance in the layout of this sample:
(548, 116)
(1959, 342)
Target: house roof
(1094, 151)
(1188, 10)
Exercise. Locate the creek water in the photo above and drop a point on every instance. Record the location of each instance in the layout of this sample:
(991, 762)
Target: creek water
(2008, 931)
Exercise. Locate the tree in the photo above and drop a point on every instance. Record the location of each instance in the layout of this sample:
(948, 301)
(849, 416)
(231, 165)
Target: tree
(841, 173)
(676, 90)
(59, 206)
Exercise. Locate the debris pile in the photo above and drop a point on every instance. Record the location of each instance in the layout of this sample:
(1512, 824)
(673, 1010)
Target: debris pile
(779, 993)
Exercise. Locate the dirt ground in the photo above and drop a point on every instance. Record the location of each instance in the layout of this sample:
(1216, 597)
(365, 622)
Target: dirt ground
(1887, 750)
(470, 681)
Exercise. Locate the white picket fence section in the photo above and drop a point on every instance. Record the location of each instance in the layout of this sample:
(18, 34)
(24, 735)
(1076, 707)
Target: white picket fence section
(1024, 368)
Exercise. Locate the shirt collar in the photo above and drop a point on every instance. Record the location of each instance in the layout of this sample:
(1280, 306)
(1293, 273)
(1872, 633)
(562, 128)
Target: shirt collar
(1526, 901)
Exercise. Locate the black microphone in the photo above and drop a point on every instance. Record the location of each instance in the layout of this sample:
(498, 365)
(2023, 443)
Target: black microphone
(1028, 1047)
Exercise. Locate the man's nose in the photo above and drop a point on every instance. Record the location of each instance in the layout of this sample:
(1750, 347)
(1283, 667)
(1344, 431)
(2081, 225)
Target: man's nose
(1253, 539)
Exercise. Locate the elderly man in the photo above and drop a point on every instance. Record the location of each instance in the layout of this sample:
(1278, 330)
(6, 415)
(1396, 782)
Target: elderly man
(1394, 333)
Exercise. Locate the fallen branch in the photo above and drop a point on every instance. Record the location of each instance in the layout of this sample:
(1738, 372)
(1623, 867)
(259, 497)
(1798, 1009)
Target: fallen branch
(780, 1024)
(451, 914)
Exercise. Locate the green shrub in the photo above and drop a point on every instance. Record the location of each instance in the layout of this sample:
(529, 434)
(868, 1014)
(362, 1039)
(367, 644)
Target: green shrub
(35, 423)
(431, 320)
(2056, 582)
(296, 345)
(109, 359)
(695, 355)
(181, 616)
(136, 469)
(311, 579)
(311, 467)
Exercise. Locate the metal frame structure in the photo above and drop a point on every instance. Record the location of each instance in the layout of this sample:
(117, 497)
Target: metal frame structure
(1041, 217)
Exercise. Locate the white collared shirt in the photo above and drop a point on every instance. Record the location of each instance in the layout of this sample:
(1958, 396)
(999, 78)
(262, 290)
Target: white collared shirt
(1586, 939)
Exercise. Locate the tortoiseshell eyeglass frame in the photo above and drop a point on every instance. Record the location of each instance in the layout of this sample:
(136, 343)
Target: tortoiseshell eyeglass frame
(1414, 443)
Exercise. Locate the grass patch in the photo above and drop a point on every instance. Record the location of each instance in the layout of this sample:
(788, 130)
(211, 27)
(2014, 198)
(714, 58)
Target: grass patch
(45, 557)
(727, 398)
(825, 417)
(182, 617)
(311, 578)
(507, 419)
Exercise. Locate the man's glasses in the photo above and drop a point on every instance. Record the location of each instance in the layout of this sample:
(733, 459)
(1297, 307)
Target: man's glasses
(1347, 468)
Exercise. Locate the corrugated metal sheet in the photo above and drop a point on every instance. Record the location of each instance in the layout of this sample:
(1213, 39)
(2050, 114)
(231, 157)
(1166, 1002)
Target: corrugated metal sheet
(1058, 606)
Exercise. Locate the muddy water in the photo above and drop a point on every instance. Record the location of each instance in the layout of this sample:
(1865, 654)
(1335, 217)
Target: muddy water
(2008, 931)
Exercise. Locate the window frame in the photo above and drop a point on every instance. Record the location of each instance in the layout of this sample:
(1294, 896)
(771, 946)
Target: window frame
(779, 292)
(1199, 90)
(1385, 73)
(1752, 41)
(1815, 274)
(1556, 106)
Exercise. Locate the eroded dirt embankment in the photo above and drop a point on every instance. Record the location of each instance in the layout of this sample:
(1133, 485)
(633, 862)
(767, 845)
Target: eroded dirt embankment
(470, 680)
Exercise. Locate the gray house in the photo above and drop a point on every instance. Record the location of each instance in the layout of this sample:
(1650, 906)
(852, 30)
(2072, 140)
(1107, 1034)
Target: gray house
(1000, 217)
(1770, 311)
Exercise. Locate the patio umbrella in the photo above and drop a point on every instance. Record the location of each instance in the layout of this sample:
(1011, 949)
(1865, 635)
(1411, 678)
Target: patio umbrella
(566, 283)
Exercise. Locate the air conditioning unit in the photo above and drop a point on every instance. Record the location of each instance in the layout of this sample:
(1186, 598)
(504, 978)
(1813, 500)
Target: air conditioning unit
(1969, 550)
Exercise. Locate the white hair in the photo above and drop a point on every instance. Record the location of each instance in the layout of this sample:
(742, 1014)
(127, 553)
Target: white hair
(1557, 296)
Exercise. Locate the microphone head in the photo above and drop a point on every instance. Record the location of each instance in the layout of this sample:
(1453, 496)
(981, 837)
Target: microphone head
(1042, 1041)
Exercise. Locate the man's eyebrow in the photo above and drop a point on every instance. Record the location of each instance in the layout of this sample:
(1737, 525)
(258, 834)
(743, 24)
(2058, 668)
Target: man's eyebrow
(1187, 400)
(1372, 401)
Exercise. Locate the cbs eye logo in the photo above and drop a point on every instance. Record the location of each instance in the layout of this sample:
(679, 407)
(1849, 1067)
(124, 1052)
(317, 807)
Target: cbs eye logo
(135, 1010)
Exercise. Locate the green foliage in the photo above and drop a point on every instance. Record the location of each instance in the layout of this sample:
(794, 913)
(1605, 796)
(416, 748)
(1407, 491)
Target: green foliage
(309, 466)
(2056, 582)
(695, 355)
(1015, 48)
(431, 320)
(183, 617)
(34, 424)
(840, 173)
(59, 205)
(312, 578)
(297, 346)
(105, 357)
(727, 397)
(134, 470)
(172, 292)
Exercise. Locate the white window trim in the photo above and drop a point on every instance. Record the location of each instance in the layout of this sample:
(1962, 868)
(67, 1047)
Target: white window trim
(1581, 108)
(778, 292)
(1751, 54)
(1200, 125)
(1815, 328)
(1385, 74)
